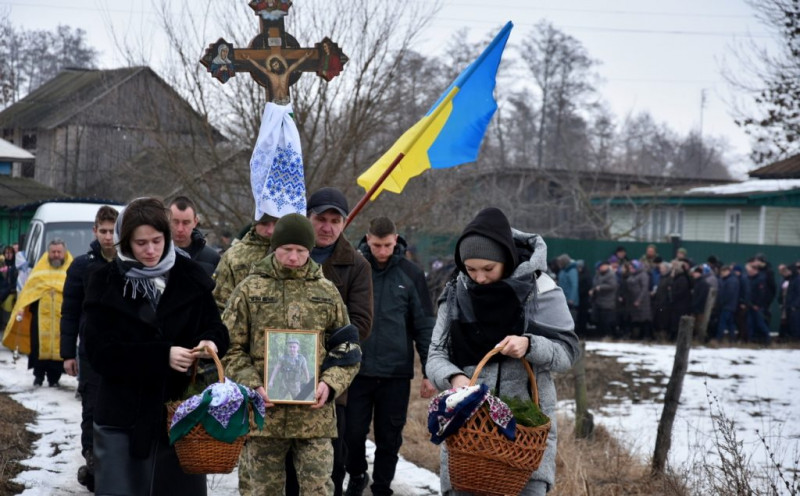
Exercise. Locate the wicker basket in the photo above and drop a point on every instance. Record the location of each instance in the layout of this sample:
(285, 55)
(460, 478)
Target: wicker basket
(483, 461)
(200, 453)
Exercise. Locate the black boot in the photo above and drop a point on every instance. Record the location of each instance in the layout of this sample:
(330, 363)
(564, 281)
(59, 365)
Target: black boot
(357, 484)
(86, 472)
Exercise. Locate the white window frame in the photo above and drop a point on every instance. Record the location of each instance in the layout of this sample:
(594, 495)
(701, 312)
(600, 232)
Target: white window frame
(733, 225)
(664, 222)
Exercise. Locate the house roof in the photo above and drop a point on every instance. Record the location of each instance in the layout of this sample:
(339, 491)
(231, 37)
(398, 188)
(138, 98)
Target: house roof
(12, 153)
(782, 169)
(64, 96)
(17, 191)
(771, 192)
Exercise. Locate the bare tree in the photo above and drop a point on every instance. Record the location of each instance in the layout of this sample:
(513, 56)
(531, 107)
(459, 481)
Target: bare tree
(29, 58)
(772, 80)
(562, 69)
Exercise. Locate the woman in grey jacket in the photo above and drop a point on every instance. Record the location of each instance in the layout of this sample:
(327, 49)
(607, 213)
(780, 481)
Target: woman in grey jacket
(496, 300)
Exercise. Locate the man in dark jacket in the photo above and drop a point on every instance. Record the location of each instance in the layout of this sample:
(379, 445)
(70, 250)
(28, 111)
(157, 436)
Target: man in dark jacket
(403, 318)
(183, 224)
(728, 303)
(791, 302)
(101, 252)
(700, 292)
(756, 300)
(351, 274)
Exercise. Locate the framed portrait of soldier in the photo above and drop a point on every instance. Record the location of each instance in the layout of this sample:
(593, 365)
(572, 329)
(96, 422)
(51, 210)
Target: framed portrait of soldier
(290, 366)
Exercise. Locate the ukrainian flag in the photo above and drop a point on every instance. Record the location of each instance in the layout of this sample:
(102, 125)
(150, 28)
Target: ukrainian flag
(450, 134)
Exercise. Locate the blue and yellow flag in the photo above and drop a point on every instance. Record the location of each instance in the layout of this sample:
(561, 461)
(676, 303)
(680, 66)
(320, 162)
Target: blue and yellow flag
(450, 134)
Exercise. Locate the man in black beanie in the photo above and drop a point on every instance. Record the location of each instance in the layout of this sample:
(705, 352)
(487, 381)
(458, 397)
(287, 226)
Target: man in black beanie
(351, 273)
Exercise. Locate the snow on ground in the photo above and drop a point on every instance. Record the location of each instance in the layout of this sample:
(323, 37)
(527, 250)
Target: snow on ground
(758, 389)
(57, 454)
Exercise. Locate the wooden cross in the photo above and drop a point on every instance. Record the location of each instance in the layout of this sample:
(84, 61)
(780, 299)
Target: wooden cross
(273, 58)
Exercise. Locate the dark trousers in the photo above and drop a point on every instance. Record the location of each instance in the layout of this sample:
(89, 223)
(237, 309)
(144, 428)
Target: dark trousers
(793, 323)
(606, 321)
(292, 487)
(160, 474)
(88, 386)
(726, 323)
(757, 326)
(387, 401)
(339, 450)
(50, 368)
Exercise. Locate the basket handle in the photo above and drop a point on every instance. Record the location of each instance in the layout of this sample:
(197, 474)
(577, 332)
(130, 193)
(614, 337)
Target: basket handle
(220, 372)
(494, 351)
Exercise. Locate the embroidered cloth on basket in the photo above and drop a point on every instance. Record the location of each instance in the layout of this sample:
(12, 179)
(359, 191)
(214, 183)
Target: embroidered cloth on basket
(450, 409)
(222, 408)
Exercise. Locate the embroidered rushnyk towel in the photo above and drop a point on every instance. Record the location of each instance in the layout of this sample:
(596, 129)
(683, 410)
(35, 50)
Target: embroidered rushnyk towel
(276, 166)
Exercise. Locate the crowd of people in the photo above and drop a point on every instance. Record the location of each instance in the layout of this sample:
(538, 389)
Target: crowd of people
(150, 291)
(150, 300)
(644, 298)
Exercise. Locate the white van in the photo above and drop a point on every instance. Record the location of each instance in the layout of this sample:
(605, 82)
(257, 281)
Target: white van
(71, 222)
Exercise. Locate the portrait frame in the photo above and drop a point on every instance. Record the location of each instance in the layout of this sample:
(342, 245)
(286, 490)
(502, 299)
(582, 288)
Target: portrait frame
(291, 376)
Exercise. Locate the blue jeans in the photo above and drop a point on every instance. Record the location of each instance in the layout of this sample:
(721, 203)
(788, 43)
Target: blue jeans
(726, 323)
(757, 324)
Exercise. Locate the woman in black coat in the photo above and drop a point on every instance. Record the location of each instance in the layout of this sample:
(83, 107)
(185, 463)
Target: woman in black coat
(146, 313)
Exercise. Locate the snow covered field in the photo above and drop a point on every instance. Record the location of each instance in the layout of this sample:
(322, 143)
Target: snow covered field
(759, 389)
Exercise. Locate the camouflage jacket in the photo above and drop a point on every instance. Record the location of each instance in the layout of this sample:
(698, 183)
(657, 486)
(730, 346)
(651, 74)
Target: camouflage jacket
(279, 298)
(235, 265)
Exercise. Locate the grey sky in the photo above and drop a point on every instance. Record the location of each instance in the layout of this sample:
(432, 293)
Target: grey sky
(654, 56)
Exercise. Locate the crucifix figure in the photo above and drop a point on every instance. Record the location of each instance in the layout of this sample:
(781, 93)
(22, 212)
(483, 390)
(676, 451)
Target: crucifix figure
(273, 58)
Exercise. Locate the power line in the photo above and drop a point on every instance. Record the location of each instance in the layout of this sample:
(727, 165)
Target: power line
(612, 12)
(678, 32)
(70, 7)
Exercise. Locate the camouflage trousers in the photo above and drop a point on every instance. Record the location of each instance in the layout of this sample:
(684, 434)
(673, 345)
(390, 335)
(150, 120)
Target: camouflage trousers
(262, 466)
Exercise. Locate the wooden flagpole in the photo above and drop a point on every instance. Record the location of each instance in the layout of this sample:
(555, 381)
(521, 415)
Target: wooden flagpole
(363, 201)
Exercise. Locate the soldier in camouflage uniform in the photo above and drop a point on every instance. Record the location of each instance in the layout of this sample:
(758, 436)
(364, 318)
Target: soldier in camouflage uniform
(291, 369)
(235, 263)
(286, 290)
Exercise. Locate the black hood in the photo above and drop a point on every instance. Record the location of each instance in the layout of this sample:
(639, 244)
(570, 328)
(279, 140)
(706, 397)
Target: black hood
(492, 223)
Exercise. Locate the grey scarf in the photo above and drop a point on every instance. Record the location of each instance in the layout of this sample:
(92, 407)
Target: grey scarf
(149, 281)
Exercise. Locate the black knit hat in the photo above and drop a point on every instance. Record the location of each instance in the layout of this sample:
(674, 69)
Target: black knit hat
(493, 224)
(478, 246)
(293, 229)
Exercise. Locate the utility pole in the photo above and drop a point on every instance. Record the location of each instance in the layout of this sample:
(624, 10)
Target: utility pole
(700, 145)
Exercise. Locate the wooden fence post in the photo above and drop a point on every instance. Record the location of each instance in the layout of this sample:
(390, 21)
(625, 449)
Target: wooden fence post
(673, 395)
(702, 325)
(584, 420)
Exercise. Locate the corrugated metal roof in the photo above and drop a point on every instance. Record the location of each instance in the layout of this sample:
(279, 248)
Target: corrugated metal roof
(783, 169)
(16, 191)
(63, 96)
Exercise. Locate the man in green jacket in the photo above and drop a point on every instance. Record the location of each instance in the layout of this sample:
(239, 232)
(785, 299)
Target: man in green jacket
(287, 290)
(235, 263)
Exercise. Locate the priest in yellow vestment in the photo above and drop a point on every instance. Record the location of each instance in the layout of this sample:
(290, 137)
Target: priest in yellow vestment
(35, 324)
